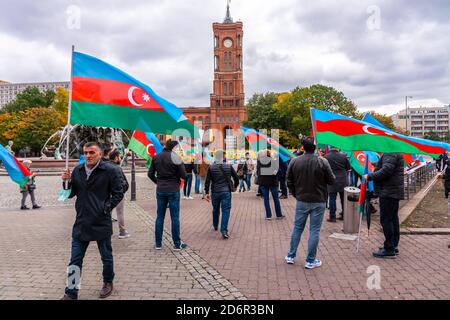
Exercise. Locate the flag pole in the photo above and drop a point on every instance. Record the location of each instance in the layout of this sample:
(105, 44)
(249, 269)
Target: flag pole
(313, 127)
(361, 213)
(69, 110)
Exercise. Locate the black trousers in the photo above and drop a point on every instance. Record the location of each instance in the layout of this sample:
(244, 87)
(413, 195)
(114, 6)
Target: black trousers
(390, 222)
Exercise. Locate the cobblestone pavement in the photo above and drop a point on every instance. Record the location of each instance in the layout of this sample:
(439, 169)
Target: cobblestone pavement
(35, 249)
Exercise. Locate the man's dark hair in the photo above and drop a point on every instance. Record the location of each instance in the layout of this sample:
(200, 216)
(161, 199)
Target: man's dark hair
(114, 154)
(91, 144)
(106, 151)
(170, 144)
(308, 144)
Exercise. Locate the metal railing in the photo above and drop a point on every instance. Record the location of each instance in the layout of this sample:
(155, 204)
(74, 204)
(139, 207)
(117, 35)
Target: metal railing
(417, 177)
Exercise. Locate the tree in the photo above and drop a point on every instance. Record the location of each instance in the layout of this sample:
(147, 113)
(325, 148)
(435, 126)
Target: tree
(31, 97)
(294, 108)
(431, 135)
(260, 113)
(61, 100)
(33, 127)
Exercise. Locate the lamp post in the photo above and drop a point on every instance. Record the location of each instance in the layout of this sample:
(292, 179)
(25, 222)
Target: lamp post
(406, 106)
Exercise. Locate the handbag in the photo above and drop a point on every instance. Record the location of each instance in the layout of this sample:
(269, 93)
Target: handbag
(230, 183)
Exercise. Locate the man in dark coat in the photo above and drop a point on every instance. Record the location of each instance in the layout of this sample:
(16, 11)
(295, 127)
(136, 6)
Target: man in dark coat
(167, 170)
(98, 188)
(340, 166)
(219, 176)
(389, 185)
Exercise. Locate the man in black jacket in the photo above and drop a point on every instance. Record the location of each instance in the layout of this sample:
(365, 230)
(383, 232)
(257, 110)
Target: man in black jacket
(307, 179)
(388, 176)
(219, 177)
(98, 188)
(115, 160)
(340, 166)
(167, 170)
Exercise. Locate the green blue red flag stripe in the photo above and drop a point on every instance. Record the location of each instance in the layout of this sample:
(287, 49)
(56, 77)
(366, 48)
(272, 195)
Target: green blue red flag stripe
(103, 95)
(145, 145)
(16, 170)
(259, 141)
(351, 134)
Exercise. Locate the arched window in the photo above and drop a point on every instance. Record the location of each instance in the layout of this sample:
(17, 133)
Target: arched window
(216, 62)
(207, 119)
(231, 88)
(239, 40)
(200, 118)
(193, 119)
(224, 88)
(216, 41)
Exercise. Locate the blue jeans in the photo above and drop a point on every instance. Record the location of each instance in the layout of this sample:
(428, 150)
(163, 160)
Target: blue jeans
(197, 184)
(333, 197)
(187, 185)
(162, 199)
(302, 210)
(77, 254)
(221, 199)
(265, 193)
(248, 180)
(283, 187)
(241, 184)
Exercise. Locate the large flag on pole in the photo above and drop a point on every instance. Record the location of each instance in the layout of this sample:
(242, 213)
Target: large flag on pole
(259, 141)
(351, 134)
(145, 145)
(409, 158)
(103, 95)
(16, 170)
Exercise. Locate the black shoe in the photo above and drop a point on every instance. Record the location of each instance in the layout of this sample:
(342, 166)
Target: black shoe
(182, 246)
(225, 235)
(382, 253)
(215, 228)
(283, 197)
(67, 297)
(36, 206)
(395, 250)
(24, 208)
(280, 217)
(331, 220)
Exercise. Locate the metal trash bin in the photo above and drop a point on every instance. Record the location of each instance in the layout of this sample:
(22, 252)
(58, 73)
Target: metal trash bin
(351, 216)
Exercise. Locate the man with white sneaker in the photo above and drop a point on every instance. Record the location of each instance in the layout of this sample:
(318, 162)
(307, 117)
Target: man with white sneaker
(307, 178)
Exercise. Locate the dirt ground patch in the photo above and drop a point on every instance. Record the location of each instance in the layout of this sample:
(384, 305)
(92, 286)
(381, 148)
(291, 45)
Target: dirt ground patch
(432, 211)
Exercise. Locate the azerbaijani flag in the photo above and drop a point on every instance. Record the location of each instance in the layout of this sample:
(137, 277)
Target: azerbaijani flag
(103, 95)
(16, 170)
(259, 141)
(409, 158)
(351, 134)
(145, 145)
(358, 161)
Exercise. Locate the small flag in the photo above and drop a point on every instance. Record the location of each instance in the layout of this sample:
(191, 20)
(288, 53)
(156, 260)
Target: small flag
(16, 170)
(145, 145)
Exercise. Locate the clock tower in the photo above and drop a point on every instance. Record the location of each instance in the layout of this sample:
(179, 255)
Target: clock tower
(227, 98)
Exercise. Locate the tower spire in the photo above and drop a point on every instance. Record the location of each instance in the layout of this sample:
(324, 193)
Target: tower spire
(228, 18)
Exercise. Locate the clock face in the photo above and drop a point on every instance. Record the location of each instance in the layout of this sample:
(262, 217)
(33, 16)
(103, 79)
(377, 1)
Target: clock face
(227, 43)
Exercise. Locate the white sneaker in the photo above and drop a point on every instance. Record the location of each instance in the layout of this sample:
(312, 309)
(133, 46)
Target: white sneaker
(190, 198)
(184, 197)
(289, 260)
(312, 265)
(124, 235)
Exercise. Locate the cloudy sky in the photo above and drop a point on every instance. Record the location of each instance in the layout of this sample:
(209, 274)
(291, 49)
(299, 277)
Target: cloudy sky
(375, 52)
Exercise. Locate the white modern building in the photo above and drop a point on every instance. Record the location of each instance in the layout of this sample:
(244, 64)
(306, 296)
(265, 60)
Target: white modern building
(9, 91)
(423, 119)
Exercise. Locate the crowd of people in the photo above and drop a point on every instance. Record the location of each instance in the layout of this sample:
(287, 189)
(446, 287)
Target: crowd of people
(313, 180)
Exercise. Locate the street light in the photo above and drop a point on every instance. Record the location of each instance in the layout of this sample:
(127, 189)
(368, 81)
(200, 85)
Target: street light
(406, 105)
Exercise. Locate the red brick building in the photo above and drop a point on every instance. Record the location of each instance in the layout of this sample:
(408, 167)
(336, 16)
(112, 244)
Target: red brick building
(226, 110)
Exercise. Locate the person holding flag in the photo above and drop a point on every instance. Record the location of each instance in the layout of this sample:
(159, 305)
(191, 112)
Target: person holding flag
(28, 189)
(389, 185)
